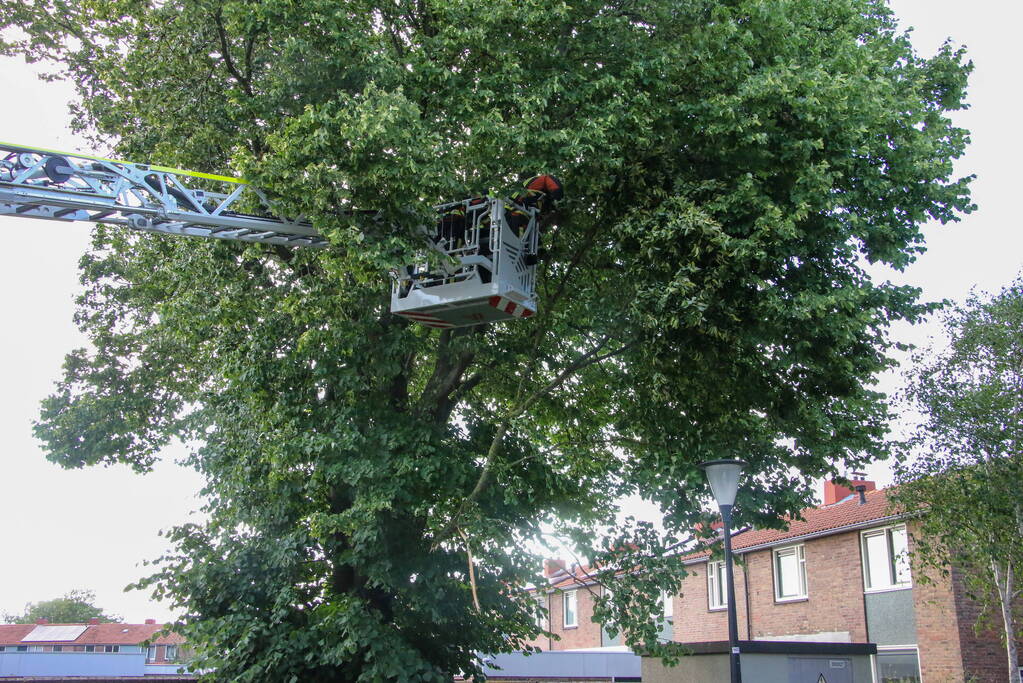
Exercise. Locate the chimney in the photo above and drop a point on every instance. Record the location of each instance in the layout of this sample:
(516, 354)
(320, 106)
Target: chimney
(150, 622)
(94, 620)
(42, 620)
(862, 490)
(552, 567)
(834, 492)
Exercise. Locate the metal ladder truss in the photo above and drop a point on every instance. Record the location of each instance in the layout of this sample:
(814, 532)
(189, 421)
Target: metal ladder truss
(40, 183)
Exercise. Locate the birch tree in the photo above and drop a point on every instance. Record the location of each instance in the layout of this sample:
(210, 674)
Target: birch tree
(965, 479)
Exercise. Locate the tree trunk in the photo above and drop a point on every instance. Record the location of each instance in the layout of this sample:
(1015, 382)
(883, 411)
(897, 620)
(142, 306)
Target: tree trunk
(1005, 582)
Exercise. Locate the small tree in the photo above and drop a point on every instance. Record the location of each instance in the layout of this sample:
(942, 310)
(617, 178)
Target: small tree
(967, 487)
(73, 608)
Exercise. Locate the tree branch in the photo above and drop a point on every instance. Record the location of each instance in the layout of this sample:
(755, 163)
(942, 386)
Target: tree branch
(487, 473)
(591, 357)
(447, 376)
(225, 50)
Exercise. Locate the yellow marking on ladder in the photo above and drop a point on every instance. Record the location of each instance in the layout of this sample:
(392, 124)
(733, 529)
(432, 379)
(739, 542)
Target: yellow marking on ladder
(162, 169)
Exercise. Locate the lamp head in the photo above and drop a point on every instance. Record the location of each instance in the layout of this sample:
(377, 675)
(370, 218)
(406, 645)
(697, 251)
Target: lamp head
(723, 476)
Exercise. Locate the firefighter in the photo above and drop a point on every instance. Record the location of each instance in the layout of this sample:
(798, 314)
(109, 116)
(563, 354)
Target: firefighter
(542, 191)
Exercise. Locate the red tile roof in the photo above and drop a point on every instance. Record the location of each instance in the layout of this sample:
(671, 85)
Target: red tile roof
(817, 520)
(574, 576)
(94, 634)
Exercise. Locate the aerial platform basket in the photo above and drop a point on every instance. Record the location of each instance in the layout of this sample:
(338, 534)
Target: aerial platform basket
(480, 268)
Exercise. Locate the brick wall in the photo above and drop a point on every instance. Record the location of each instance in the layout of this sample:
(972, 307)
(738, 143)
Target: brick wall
(834, 582)
(834, 602)
(694, 620)
(543, 642)
(937, 628)
(587, 633)
(984, 656)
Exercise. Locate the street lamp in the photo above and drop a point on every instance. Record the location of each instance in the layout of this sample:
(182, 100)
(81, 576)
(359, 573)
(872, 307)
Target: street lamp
(723, 476)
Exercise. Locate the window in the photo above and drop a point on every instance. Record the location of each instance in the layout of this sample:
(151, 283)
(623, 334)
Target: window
(885, 559)
(717, 595)
(897, 666)
(541, 615)
(151, 654)
(789, 573)
(171, 653)
(58, 648)
(23, 648)
(571, 612)
(90, 648)
(667, 605)
(111, 648)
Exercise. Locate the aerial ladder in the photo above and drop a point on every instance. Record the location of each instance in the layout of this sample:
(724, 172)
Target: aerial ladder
(479, 265)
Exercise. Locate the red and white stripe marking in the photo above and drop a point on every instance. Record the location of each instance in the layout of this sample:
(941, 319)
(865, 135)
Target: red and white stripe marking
(428, 320)
(510, 307)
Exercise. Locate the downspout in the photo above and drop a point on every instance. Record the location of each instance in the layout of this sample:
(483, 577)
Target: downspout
(745, 591)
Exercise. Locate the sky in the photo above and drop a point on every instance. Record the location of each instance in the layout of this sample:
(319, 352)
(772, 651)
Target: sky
(93, 529)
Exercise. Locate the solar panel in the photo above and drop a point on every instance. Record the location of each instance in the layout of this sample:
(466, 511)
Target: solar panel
(48, 634)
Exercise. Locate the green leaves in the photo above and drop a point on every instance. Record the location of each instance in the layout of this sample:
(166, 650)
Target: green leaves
(75, 607)
(960, 470)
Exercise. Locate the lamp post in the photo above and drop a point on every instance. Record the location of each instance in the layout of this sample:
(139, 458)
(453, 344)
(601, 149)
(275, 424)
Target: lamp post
(723, 476)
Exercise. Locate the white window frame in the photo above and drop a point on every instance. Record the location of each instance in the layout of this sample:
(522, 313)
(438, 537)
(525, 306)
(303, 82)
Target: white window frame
(800, 552)
(170, 653)
(543, 617)
(566, 598)
(894, 649)
(667, 605)
(717, 594)
(869, 586)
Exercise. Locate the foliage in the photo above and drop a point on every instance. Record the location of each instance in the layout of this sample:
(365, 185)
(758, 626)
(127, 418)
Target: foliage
(965, 482)
(75, 607)
(731, 166)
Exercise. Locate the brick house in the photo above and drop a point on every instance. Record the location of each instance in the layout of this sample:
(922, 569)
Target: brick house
(110, 650)
(840, 574)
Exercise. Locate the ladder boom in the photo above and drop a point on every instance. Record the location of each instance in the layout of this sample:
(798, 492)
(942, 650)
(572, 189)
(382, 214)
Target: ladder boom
(479, 265)
(41, 183)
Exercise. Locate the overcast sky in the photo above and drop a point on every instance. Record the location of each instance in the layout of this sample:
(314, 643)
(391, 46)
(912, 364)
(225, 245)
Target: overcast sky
(93, 528)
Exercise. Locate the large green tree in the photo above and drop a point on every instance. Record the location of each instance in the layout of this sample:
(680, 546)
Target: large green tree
(732, 168)
(964, 461)
(74, 607)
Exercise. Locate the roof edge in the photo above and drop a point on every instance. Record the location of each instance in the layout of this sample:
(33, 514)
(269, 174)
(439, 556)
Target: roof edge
(856, 526)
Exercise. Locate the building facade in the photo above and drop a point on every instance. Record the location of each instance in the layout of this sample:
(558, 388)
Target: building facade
(840, 574)
(110, 650)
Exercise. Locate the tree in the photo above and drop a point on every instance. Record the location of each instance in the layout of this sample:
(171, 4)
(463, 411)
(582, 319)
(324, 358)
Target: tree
(965, 483)
(74, 608)
(731, 166)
